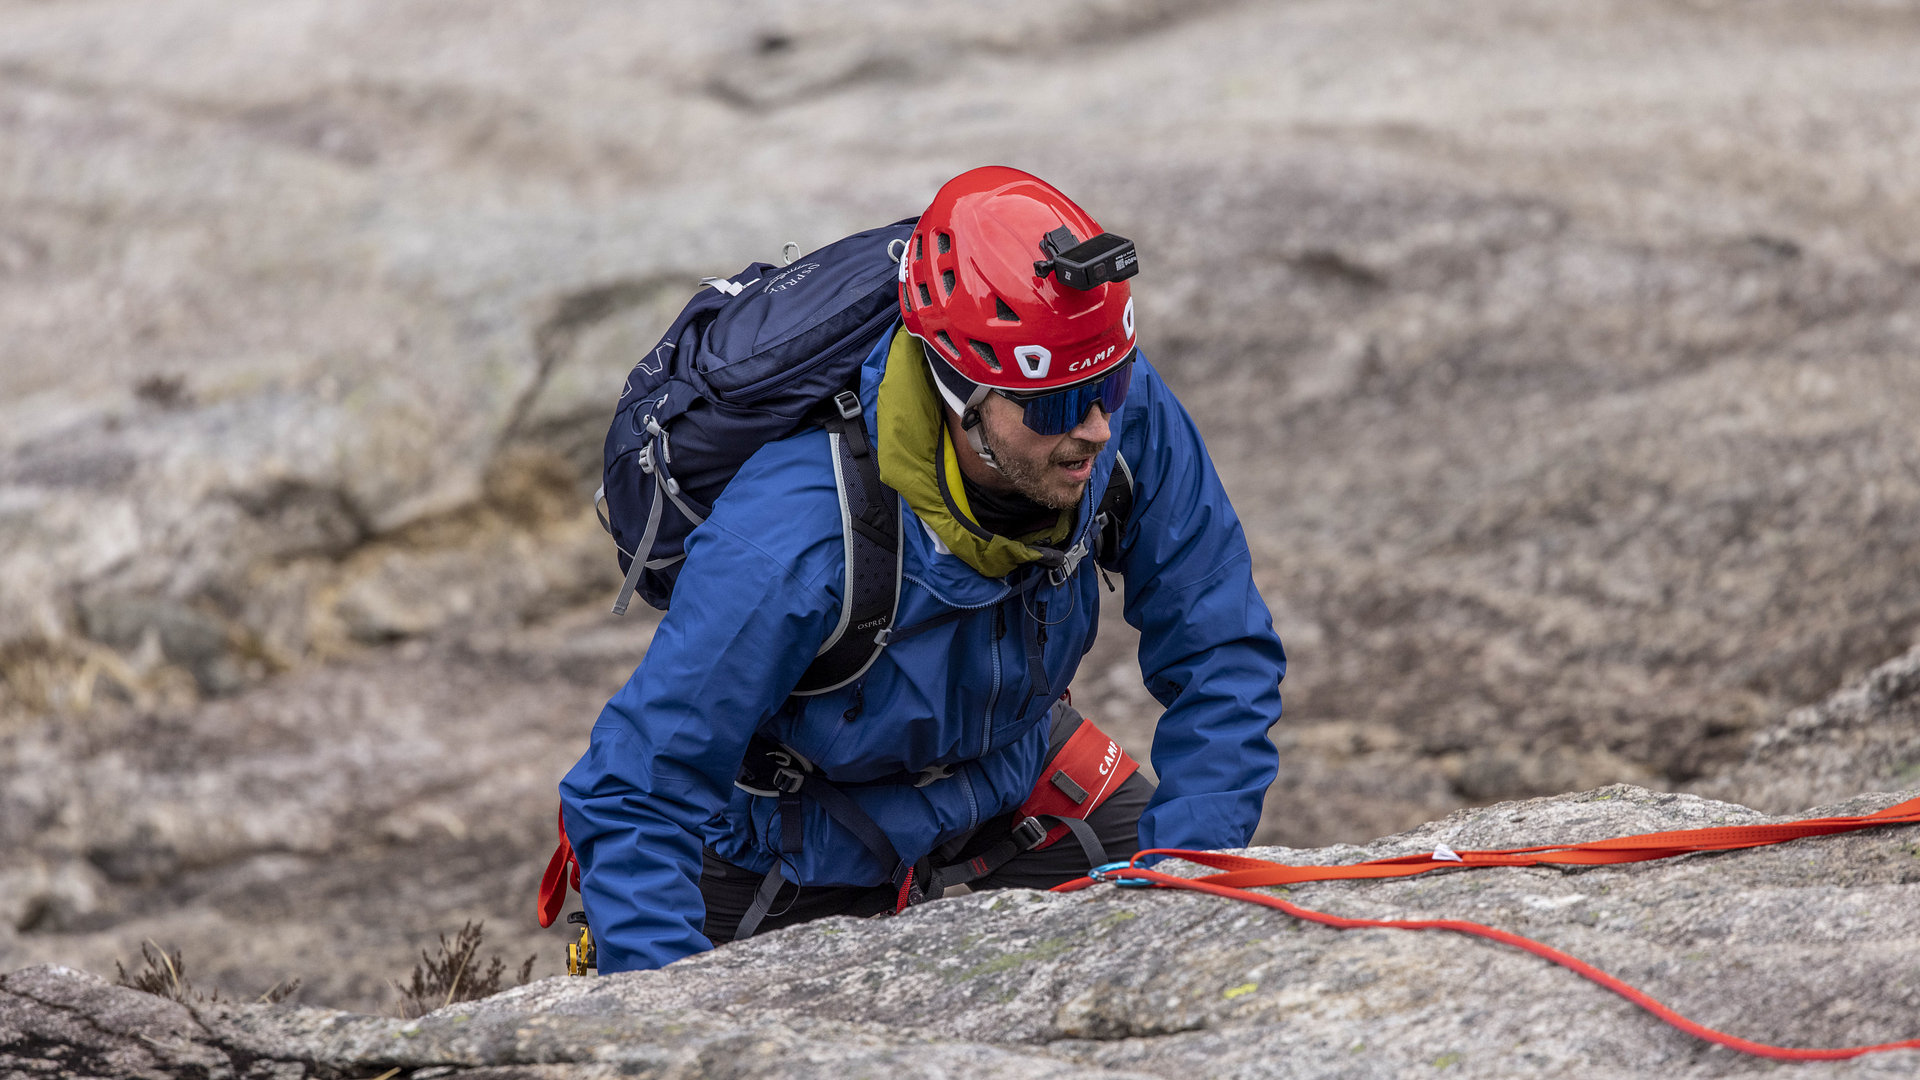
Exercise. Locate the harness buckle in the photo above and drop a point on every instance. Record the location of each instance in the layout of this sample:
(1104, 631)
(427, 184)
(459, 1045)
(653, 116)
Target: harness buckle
(1029, 833)
(788, 780)
(848, 403)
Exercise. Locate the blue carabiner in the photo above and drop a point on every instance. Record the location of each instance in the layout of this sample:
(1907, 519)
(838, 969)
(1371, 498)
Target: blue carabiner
(1101, 873)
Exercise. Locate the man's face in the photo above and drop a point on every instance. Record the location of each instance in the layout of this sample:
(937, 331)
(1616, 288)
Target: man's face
(1052, 470)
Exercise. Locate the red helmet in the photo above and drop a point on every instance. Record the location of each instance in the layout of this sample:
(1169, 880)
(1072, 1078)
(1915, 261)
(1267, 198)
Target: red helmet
(977, 286)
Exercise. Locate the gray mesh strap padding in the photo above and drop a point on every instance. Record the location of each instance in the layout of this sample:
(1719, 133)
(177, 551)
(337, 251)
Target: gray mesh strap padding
(870, 524)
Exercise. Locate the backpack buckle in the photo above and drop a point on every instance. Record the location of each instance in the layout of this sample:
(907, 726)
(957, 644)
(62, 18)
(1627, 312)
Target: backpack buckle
(1028, 833)
(933, 773)
(790, 771)
(848, 403)
(1070, 562)
(787, 775)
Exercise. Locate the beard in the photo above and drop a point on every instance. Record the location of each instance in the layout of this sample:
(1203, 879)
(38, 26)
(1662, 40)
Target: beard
(1036, 479)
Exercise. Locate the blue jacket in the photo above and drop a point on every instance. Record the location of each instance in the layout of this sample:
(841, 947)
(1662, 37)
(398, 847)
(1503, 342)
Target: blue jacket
(760, 590)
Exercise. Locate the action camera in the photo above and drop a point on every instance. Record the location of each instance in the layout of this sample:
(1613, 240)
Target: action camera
(1083, 265)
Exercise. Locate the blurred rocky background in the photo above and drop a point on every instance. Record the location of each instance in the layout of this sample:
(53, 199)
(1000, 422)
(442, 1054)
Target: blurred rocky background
(1562, 359)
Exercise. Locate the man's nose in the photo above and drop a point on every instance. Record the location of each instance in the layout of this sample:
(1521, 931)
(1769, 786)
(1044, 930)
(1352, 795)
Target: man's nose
(1094, 427)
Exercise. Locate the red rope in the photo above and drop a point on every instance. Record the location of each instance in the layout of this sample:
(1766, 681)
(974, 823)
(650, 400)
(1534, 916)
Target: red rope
(1244, 873)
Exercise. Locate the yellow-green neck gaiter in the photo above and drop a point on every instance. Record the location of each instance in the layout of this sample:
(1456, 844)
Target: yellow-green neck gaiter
(918, 460)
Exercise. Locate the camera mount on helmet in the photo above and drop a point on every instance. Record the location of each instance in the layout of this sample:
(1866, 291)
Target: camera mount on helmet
(1085, 265)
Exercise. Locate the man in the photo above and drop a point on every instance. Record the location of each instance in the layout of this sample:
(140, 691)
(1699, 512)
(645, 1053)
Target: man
(712, 801)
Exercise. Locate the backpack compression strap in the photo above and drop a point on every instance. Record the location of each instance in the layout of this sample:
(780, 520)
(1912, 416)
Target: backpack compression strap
(870, 524)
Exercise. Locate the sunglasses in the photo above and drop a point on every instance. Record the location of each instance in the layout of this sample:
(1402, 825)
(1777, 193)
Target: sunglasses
(1060, 411)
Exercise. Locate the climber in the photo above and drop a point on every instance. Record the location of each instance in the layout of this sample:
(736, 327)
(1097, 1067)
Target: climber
(1010, 409)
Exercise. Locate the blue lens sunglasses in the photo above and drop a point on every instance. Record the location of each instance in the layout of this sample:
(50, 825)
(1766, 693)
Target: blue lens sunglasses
(1056, 412)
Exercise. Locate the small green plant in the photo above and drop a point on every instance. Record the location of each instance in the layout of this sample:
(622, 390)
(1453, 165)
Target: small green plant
(455, 975)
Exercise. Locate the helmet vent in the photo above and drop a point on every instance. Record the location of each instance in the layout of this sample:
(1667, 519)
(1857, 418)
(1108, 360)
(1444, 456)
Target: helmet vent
(944, 241)
(986, 353)
(1002, 311)
(926, 298)
(919, 246)
(946, 280)
(947, 343)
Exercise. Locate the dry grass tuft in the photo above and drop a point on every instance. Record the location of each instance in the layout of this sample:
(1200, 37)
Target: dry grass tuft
(455, 975)
(165, 975)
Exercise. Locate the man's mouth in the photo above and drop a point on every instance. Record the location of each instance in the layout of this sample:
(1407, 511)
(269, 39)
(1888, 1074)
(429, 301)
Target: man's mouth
(1078, 468)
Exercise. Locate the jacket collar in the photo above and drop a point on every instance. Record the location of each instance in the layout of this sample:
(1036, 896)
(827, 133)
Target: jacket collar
(944, 554)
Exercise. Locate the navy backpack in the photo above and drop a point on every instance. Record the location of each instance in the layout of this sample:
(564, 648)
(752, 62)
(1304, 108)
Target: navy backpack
(754, 358)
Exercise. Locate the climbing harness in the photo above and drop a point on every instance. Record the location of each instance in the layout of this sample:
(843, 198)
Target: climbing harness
(1241, 874)
(1079, 775)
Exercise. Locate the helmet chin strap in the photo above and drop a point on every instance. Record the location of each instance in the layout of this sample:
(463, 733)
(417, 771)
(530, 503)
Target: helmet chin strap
(969, 413)
(977, 437)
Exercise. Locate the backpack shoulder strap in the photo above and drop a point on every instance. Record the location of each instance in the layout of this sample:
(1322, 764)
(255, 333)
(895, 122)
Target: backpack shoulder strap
(1110, 517)
(870, 523)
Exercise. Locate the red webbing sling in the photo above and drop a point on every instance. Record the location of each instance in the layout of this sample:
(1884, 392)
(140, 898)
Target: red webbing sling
(562, 870)
(1243, 874)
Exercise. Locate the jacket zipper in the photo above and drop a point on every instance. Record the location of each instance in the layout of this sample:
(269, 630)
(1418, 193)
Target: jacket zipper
(973, 802)
(1005, 591)
(993, 691)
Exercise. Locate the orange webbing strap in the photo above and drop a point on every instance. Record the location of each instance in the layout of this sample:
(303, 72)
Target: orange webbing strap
(1245, 873)
(553, 884)
(1638, 997)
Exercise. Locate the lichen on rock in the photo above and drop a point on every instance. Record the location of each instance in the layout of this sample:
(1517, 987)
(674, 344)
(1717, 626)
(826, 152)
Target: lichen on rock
(1811, 943)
